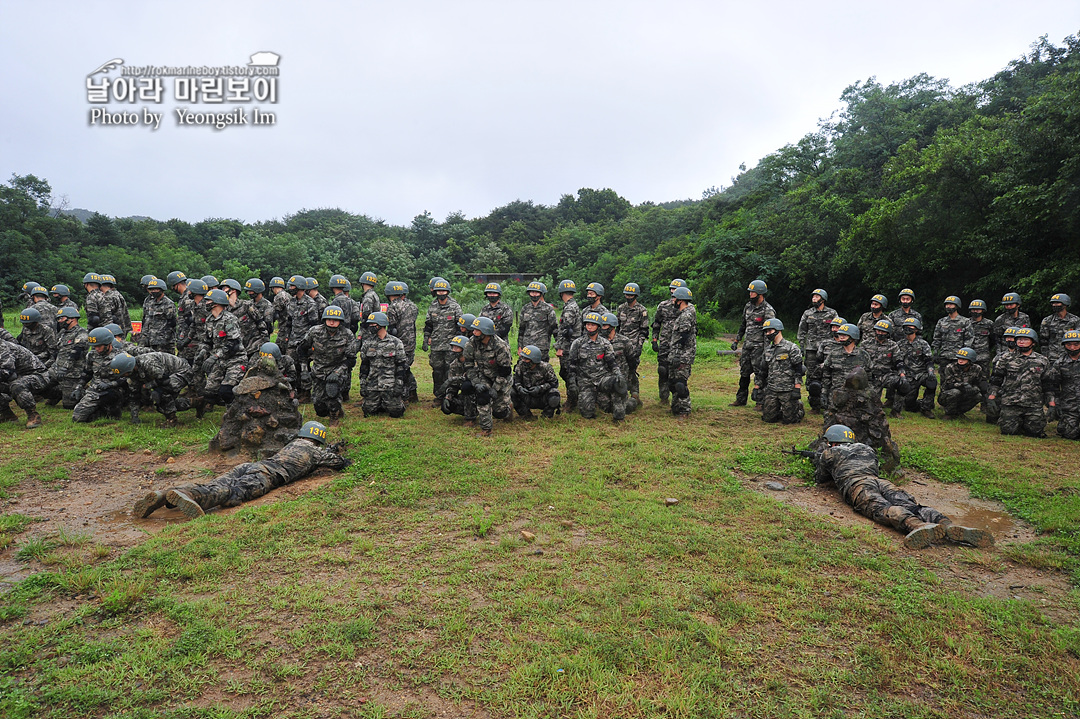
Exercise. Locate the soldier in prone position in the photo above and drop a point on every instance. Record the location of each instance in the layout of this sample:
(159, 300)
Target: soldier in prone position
(251, 480)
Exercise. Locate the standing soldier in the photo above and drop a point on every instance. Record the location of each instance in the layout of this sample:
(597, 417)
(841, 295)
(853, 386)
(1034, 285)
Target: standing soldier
(39, 300)
(662, 323)
(332, 350)
(1055, 325)
(232, 290)
(963, 384)
(813, 335)
(340, 287)
(159, 319)
(38, 335)
(256, 315)
(634, 324)
(535, 385)
(951, 333)
(683, 351)
(592, 365)
(456, 391)
(26, 297)
(177, 281)
(369, 303)
(21, 376)
(878, 304)
(190, 339)
(382, 370)
(569, 330)
(302, 317)
(282, 296)
(67, 371)
(94, 306)
(440, 326)
(160, 375)
(118, 309)
(983, 339)
(61, 298)
(594, 299)
(756, 311)
(498, 311)
(488, 366)
(903, 312)
(627, 357)
(885, 354)
(780, 373)
(1065, 383)
(1011, 317)
(402, 312)
(840, 362)
(537, 323)
(1022, 383)
(918, 371)
(222, 355)
(316, 296)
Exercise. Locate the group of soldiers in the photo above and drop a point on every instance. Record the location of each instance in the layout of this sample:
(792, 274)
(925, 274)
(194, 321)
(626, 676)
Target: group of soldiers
(969, 361)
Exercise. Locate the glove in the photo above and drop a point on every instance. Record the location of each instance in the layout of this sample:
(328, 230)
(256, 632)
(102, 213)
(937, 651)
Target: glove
(656, 346)
(735, 345)
(424, 345)
(504, 371)
(208, 364)
(796, 394)
(155, 397)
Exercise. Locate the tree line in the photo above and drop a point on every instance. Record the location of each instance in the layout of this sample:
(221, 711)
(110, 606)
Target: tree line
(971, 191)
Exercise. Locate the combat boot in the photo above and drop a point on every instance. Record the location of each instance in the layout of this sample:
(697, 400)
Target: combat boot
(6, 415)
(742, 394)
(548, 413)
(923, 536)
(182, 501)
(33, 419)
(928, 413)
(170, 421)
(969, 535)
(484, 433)
(199, 403)
(413, 396)
(148, 504)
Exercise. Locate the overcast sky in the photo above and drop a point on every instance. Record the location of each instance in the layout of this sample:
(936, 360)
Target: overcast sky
(393, 108)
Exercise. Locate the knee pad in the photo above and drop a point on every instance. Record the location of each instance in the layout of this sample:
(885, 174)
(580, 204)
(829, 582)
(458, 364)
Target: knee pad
(225, 392)
(501, 414)
(322, 409)
(755, 394)
(662, 371)
(681, 390)
(553, 400)
(396, 413)
(483, 398)
(814, 389)
(447, 405)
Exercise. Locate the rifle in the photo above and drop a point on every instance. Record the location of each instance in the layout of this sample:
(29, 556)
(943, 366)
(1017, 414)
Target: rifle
(806, 453)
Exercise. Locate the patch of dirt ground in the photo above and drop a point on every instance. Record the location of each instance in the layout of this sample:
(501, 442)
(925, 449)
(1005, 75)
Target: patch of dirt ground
(97, 499)
(979, 572)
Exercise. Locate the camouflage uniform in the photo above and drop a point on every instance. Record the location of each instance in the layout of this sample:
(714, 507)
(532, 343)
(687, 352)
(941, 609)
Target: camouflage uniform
(225, 361)
(918, 361)
(256, 318)
(320, 302)
(854, 470)
(627, 356)
(598, 309)
(302, 317)
(382, 375)
(163, 376)
(983, 342)
(351, 309)
(887, 365)
(96, 309)
(281, 317)
(22, 375)
(569, 332)
(681, 358)
(440, 326)
(118, 310)
(402, 316)
(897, 318)
(634, 325)
(456, 391)
(502, 315)
(856, 405)
(333, 355)
(192, 339)
(1020, 382)
(1050, 333)
(1006, 320)
(949, 336)
(663, 320)
(369, 303)
(105, 395)
(535, 386)
(593, 367)
(40, 338)
(962, 387)
(754, 317)
(813, 335)
(836, 367)
(1065, 384)
(47, 310)
(868, 320)
(158, 325)
(67, 302)
(536, 325)
(252, 480)
(779, 369)
(70, 363)
(489, 365)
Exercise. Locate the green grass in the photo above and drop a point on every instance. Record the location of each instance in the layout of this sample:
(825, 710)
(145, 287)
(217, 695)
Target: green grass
(403, 588)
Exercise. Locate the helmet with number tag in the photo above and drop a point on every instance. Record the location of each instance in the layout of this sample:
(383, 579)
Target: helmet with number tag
(211, 281)
(773, 323)
(592, 318)
(912, 322)
(567, 286)
(155, 284)
(218, 297)
(881, 300)
(369, 278)
(965, 353)
(883, 325)
(40, 290)
(465, 321)
(313, 430)
(122, 364)
(271, 350)
(493, 288)
(907, 292)
(197, 287)
(255, 286)
(758, 287)
(376, 318)
(231, 284)
(977, 305)
(116, 329)
(595, 287)
(29, 316)
(677, 282)
(91, 278)
(485, 324)
(276, 281)
(62, 290)
(684, 294)
(338, 282)
(531, 353)
(459, 341)
(1067, 336)
(851, 331)
(608, 319)
(632, 289)
(1027, 332)
(839, 434)
(821, 293)
(535, 286)
(953, 300)
(1011, 298)
(441, 285)
(175, 277)
(68, 312)
(333, 312)
(1062, 298)
(837, 321)
(395, 289)
(100, 336)
(108, 280)
(145, 280)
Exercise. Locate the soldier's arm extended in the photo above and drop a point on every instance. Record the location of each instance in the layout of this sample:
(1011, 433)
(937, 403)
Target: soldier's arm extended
(428, 326)
(761, 370)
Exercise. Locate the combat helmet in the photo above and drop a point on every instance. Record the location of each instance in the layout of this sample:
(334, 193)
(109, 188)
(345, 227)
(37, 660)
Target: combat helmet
(313, 430)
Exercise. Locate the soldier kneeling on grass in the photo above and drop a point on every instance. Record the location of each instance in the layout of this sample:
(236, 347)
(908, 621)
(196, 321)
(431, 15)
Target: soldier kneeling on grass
(251, 480)
(163, 376)
(853, 468)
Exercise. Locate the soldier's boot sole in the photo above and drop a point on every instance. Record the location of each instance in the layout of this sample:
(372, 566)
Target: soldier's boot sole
(929, 414)
(969, 535)
(184, 503)
(922, 537)
(148, 504)
(33, 420)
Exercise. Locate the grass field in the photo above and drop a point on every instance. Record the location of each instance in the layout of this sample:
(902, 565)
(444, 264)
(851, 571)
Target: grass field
(404, 587)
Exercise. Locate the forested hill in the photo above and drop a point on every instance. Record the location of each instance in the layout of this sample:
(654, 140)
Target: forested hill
(970, 191)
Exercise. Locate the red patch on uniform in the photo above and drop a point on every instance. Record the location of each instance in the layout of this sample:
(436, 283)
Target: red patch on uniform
(221, 333)
(759, 319)
(450, 317)
(600, 356)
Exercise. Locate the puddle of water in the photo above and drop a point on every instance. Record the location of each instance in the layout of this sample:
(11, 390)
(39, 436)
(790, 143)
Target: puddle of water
(996, 522)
